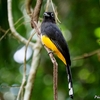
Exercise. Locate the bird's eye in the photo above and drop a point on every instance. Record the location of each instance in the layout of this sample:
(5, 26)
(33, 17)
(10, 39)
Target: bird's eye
(52, 14)
(46, 14)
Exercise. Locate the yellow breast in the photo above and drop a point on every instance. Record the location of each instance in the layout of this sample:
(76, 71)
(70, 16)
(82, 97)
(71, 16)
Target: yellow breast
(49, 44)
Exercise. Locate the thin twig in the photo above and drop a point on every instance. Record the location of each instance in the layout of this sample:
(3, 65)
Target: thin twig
(37, 28)
(22, 24)
(55, 79)
(18, 20)
(24, 74)
(47, 5)
(26, 53)
(86, 55)
(21, 88)
(55, 12)
(4, 31)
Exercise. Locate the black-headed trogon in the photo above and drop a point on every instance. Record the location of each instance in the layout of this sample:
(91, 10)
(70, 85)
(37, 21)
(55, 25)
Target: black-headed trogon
(52, 37)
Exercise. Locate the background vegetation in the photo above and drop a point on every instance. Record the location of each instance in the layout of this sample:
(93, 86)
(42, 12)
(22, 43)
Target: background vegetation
(80, 23)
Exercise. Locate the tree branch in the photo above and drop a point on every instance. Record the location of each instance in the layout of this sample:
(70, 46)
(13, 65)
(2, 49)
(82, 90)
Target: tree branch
(28, 7)
(36, 54)
(24, 73)
(5, 32)
(34, 66)
(36, 12)
(11, 24)
(55, 73)
(17, 36)
(86, 55)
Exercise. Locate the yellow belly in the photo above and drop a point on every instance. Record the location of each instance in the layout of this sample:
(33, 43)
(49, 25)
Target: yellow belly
(49, 44)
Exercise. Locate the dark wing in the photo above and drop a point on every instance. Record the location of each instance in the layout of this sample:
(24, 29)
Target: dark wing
(53, 32)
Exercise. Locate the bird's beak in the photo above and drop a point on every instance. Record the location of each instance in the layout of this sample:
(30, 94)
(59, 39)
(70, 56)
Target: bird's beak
(45, 14)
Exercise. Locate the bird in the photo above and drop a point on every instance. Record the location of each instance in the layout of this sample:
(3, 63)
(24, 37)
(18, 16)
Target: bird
(52, 38)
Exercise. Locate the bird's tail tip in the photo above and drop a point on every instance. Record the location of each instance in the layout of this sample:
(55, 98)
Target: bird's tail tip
(70, 84)
(71, 96)
(71, 93)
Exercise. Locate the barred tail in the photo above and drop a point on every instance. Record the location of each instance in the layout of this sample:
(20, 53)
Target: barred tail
(70, 84)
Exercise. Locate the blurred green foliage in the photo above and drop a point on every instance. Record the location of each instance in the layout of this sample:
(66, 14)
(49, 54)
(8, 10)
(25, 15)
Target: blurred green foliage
(80, 23)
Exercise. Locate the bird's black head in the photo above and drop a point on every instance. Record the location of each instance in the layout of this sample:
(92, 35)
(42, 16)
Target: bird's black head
(49, 17)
